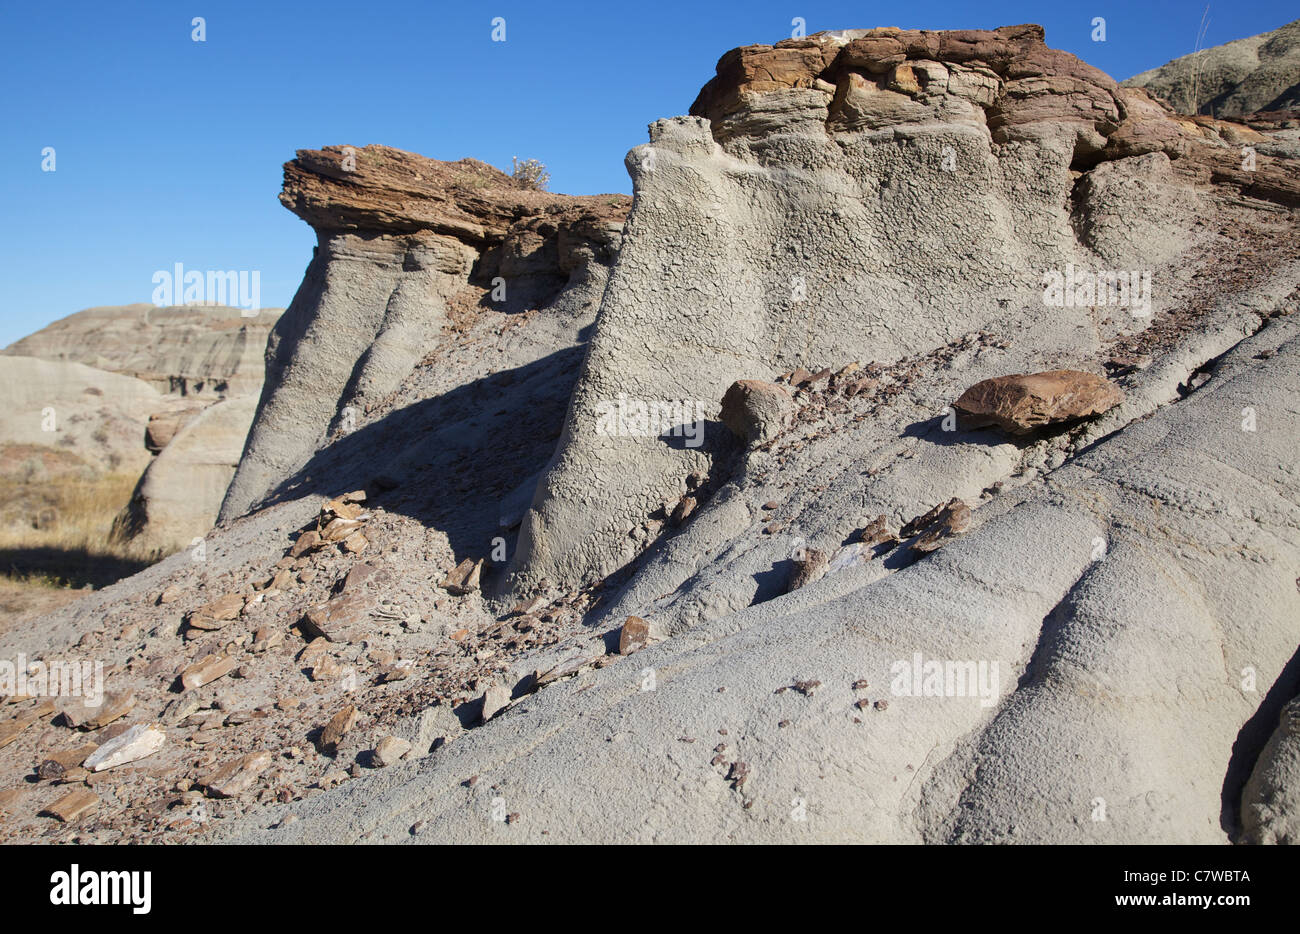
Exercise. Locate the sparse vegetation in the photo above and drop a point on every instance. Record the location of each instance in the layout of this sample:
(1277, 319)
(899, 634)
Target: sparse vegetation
(54, 536)
(530, 174)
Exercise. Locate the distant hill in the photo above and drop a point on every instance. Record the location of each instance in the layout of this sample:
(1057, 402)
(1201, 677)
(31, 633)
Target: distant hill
(203, 350)
(1234, 79)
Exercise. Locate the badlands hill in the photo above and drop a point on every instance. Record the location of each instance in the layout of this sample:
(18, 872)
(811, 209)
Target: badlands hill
(1232, 80)
(559, 525)
(108, 389)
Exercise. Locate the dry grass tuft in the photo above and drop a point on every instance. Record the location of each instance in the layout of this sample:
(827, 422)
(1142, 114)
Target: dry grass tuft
(55, 518)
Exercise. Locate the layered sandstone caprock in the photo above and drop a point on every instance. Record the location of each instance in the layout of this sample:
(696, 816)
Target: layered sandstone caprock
(865, 195)
(400, 238)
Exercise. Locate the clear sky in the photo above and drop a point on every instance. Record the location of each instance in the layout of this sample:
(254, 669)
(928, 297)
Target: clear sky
(169, 150)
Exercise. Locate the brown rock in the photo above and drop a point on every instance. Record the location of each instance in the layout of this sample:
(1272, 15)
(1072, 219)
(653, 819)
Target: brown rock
(355, 543)
(338, 727)
(341, 509)
(634, 635)
(236, 776)
(682, 511)
(1022, 403)
(56, 766)
(756, 411)
(808, 567)
(356, 578)
(341, 619)
(877, 533)
(305, 543)
(921, 522)
(11, 729)
(952, 520)
(327, 669)
(113, 707)
(73, 806)
(217, 614)
(206, 670)
(389, 750)
(463, 578)
(162, 426)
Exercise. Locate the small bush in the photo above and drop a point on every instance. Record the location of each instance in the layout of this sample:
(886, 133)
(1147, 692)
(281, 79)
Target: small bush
(530, 174)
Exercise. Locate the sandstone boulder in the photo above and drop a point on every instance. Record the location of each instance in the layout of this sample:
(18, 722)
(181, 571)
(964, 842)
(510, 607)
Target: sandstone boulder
(1024, 403)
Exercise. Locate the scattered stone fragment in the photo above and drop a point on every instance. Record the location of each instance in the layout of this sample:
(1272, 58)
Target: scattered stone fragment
(218, 613)
(112, 707)
(809, 566)
(463, 578)
(9, 797)
(305, 543)
(495, 699)
(338, 620)
(56, 766)
(756, 411)
(236, 776)
(141, 740)
(738, 774)
(682, 511)
(877, 533)
(206, 670)
(806, 688)
(355, 543)
(356, 578)
(73, 806)
(1021, 403)
(266, 638)
(11, 729)
(333, 778)
(634, 635)
(341, 509)
(389, 750)
(951, 522)
(170, 594)
(921, 522)
(327, 669)
(338, 727)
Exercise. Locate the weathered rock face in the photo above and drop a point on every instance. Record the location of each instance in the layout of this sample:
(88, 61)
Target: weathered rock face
(96, 415)
(1270, 804)
(180, 492)
(863, 195)
(201, 350)
(402, 241)
(1234, 79)
(1026, 402)
(123, 383)
(1059, 631)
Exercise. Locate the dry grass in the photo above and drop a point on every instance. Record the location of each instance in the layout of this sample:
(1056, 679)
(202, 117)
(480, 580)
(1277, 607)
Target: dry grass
(55, 539)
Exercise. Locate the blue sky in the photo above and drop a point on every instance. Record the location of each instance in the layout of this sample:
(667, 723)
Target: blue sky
(169, 150)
